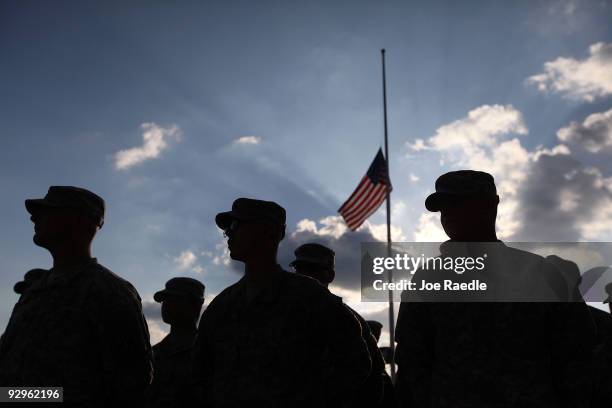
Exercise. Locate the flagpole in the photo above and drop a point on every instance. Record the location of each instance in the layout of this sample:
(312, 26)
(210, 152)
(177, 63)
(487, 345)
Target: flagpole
(390, 272)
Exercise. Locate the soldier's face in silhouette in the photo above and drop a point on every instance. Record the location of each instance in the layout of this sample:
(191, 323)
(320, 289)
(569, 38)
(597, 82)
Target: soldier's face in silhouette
(51, 226)
(54, 227)
(465, 219)
(323, 275)
(249, 239)
(179, 311)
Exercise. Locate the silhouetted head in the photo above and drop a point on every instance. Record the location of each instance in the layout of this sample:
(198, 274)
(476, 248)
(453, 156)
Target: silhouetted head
(254, 228)
(181, 300)
(66, 216)
(467, 201)
(315, 261)
(375, 328)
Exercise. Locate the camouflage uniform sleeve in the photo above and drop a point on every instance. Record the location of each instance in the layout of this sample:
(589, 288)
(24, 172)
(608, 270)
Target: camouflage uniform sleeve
(574, 338)
(202, 361)
(352, 363)
(124, 346)
(373, 388)
(414, 354)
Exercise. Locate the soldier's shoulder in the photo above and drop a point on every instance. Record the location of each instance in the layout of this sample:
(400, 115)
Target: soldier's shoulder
(525, 257)
(225, 297)
(105, 282)
(304, 286)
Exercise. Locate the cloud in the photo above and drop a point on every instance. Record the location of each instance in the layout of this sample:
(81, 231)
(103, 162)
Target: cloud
(546, 193)
(156, 331)
(476, 142)
(188, 260)
(480, 128)
(585, 79)
(248, 140)
(155, 141)
(593, 134)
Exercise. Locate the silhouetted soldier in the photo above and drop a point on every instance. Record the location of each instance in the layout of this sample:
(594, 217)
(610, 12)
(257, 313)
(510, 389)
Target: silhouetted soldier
(181, 301)
(389, 400)
(77, 325)
(318, 262)
(602, 350)
(264, 340)
(491, 354)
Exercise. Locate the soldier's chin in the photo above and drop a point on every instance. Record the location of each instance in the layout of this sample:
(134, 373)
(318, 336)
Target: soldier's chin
(40, 241)
(236, 256)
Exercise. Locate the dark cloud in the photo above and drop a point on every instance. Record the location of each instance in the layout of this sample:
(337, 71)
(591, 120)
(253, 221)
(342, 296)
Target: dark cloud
(594, 134)
(560, 196)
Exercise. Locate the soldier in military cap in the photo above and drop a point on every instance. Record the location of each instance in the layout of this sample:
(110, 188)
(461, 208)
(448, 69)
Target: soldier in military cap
(181, 302)
(77, 325)
(318, 262)
(460, 354)
(265, 340)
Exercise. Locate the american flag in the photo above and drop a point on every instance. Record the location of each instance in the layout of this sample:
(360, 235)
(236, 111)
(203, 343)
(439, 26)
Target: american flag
(369, 194)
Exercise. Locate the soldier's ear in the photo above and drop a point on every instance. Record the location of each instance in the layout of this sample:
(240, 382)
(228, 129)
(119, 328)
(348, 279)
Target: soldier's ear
(332, 275)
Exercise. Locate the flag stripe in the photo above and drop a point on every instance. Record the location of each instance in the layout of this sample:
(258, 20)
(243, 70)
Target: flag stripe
(361, 185)
(358, 205)
(369, 194)
(372, 197)
(359, 198)
(369, 209)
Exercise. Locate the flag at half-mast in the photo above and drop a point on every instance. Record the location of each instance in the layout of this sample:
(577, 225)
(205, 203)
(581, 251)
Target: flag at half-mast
(369, 194)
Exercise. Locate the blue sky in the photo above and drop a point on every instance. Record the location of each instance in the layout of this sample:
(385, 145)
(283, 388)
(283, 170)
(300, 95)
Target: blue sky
(282, 101)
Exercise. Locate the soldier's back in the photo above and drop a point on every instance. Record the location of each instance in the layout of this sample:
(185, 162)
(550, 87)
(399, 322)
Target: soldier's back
(80, 328)
(271, 350)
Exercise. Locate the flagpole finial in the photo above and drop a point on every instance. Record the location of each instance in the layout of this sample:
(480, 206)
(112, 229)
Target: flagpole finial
(382, 51)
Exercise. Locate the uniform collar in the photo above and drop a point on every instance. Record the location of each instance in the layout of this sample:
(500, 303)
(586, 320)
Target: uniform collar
(269, 293)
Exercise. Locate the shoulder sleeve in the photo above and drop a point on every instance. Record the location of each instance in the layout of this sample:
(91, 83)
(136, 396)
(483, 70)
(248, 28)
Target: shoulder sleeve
(352, 362)
(414, 353)
(123, 339)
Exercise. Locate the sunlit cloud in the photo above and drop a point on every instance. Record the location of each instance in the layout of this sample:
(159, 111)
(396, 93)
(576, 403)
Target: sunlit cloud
(155, 141)
(585, 79)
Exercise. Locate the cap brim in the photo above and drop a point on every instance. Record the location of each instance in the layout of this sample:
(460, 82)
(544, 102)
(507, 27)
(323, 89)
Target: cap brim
(36, 204)
(161, 295)
(224, 219)
(437, 201)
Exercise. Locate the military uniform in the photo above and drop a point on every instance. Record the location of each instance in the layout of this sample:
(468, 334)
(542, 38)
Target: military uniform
(172, 384)
(81, 328)
(494, 354)
(372, 391)
(274, 350)
(322, 260)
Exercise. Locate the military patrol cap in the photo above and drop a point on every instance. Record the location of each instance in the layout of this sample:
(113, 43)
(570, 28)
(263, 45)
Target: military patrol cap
(249, 209)
(182, 287)
(609, 291)
(314, 253)
(70, 197)
(458, 184)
